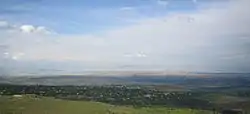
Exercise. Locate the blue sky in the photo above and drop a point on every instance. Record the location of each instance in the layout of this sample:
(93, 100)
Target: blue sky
(87, 16)
(80, 35)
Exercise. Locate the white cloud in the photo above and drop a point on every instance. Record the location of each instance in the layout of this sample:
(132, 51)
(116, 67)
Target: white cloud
(14, 58)
(6, 55)
(18, 56)
(183, 41)
(162, 2)
(126, 8)
(3, 24)
(33, 29)
(27, 28)
(194, 1)
(7, 27)
(141, 55)
(136, 55)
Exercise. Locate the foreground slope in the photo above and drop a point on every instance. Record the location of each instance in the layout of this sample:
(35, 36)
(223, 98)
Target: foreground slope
(30, 104)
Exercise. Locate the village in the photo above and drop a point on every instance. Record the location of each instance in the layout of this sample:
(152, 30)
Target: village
(121, 95)
(112, 94)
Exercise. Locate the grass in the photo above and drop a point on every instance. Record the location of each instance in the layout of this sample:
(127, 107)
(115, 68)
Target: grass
(29, 104)
(228, 102)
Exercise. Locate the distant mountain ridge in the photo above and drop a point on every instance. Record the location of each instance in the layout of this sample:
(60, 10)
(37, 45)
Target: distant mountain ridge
(188, 80)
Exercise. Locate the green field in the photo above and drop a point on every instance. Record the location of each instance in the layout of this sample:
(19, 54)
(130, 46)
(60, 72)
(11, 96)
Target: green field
(29, 104)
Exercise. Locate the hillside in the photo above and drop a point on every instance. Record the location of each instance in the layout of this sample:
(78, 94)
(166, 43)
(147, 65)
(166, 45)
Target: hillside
(29, 104)
(190, 81)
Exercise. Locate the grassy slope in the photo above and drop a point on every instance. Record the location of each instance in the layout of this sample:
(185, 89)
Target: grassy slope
(32, 105)
(227, 101)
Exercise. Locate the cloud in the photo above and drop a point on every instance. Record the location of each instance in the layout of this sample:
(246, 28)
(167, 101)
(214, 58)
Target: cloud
(136, 55)
(162, 2)
(126, 8)
(193, 41)
(33, 29)
(4, 24)
(27, 28)
(195, 1)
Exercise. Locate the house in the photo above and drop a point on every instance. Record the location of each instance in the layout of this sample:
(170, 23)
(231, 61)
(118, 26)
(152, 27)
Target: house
(232, 111)
(17, 96)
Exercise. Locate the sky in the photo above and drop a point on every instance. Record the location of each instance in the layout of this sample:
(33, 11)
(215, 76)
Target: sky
(66, 37)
